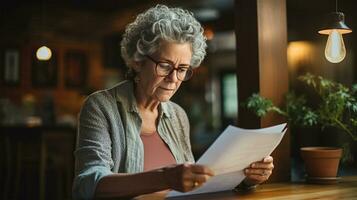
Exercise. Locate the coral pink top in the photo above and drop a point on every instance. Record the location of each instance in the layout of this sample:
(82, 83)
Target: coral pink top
(156, 153)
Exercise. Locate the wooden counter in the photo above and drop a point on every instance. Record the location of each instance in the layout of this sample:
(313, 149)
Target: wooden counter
(346, 189)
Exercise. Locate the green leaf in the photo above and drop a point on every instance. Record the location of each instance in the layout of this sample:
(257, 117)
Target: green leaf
(336, 105)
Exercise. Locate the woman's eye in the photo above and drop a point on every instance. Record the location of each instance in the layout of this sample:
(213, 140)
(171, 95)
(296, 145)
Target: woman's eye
(165, 65)
(182, 70)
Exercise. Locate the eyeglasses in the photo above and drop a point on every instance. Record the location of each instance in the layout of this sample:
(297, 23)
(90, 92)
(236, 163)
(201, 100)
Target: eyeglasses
(165, 68)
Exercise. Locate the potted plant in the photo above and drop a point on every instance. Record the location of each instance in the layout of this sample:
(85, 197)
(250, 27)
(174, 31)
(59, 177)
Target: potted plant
(335, 106)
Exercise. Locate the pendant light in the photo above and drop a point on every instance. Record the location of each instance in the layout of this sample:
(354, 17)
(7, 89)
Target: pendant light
(335, 50)
(43, 53)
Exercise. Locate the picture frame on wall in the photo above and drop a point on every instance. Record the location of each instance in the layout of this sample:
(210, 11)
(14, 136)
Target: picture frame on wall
(44, 74)
(10, 70)
(75, 69)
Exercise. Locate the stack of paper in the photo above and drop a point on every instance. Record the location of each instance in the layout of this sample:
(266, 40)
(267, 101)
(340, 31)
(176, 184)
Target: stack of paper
(233, 151)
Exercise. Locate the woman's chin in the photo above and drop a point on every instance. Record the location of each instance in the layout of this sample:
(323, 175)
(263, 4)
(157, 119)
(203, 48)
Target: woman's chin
(164, 98)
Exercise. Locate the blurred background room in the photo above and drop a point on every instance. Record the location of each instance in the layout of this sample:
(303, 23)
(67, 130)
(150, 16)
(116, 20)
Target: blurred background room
(55, 53)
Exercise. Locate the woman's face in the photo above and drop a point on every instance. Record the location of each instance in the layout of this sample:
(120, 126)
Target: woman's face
(160, 88)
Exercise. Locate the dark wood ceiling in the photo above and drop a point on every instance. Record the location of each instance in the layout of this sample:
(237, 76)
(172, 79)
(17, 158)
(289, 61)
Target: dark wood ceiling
(305, 17)
(92, 19)
(89, 19)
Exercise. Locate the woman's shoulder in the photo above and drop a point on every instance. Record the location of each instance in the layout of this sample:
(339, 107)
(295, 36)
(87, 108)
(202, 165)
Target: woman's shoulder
(109, 94)
(99, 96)
(106, 97)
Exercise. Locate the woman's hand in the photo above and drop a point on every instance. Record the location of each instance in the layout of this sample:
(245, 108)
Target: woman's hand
(259, 172)
(186, 177)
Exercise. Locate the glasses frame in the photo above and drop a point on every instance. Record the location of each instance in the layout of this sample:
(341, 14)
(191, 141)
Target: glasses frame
(187, 77)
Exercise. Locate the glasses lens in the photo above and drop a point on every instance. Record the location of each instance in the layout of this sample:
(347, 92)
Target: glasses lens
(183, 73)
(163, 69)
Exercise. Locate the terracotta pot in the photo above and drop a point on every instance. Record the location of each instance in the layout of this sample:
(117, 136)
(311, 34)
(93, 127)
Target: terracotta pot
(321, 162)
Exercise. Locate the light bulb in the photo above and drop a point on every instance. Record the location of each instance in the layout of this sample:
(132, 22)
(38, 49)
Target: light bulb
(335, 50)
(43, 53)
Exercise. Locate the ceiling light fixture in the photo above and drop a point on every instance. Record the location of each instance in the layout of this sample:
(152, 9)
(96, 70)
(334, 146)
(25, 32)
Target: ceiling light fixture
(335, 50)
(43, 53)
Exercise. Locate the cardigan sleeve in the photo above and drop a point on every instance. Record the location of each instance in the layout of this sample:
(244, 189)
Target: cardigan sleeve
(93, 159)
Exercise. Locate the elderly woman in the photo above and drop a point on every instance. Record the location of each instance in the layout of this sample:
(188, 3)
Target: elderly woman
(132, 139)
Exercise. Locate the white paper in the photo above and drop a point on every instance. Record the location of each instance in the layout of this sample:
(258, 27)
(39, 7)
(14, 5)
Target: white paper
(233, 151)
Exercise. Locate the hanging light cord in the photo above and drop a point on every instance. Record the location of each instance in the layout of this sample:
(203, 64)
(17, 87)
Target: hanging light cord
(43, 21)
(336, 5)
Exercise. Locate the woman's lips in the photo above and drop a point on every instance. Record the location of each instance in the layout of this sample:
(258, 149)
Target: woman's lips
(167, 89)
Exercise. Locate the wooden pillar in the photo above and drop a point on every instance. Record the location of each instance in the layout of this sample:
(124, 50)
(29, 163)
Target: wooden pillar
(261, 35)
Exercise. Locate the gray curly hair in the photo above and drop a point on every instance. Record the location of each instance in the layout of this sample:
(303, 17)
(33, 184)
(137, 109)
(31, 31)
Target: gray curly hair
(142, 37)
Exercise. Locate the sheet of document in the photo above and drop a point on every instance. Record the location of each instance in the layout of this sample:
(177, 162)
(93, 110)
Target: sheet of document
(233, 151)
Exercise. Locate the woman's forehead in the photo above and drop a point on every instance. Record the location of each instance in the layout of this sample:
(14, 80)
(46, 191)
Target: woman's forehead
(174, 51)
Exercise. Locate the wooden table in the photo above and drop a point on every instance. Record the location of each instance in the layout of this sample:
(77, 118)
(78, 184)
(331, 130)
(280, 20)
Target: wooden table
(346, 189)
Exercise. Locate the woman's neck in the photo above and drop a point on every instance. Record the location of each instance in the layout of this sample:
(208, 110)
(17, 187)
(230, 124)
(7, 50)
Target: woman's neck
(144, 102)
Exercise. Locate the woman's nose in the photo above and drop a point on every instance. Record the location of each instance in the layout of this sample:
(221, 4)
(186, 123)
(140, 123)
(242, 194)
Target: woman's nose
(172, 76)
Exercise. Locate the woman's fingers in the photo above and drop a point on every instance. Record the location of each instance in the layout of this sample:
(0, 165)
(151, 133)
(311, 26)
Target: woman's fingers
(201, 169)
(196, 181)
(260, 171)
(256, 179)
(261, 165)
(191, 176)
(257, 176)
(200, 174)
(266, 163)
(201, 178)
(268, 159)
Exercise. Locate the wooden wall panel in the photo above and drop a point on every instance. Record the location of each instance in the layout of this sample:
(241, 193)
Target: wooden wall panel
(247, 46)
(261, 32)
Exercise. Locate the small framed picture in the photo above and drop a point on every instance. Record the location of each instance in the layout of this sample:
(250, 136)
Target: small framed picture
(10, 70)
(75, 69)
(44, 72)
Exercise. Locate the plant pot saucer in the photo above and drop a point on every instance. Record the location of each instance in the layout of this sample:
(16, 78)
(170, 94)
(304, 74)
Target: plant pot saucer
(323, 180)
